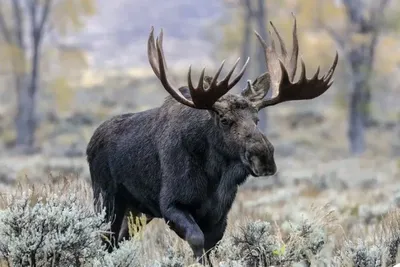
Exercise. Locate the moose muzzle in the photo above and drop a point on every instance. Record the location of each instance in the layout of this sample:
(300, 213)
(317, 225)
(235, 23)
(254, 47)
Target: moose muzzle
(259, 158)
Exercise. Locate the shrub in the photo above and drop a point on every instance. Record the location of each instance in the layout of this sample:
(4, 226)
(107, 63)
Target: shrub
(55, 231)
(259, 244)
(171, 259)
(127, 255)
(381, 250)
(362, 254)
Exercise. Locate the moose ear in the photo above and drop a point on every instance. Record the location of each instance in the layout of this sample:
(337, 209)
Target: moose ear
(184, 90)
(258, 89)
(207, 80)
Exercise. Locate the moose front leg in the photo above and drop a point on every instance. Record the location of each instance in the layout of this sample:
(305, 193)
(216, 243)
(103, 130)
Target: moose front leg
(183, 224)
(212, 236)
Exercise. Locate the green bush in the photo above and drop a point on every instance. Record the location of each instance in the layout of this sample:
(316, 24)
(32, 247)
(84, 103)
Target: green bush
(63, 230)
(57, 231)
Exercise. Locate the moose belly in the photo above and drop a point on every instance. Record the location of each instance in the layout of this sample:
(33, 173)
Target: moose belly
(141, 201)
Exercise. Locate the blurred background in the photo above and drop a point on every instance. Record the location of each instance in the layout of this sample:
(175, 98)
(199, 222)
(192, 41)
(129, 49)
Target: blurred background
(68, 65)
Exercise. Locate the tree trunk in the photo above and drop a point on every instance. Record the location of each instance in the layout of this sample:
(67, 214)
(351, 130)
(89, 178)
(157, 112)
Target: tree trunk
(361, 59)
(358, 102)
(25, 121)
(261, 64)
(356, 120)
(246, 45)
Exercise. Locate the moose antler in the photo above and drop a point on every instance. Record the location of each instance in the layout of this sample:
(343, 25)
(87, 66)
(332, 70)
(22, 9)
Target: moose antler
(201, 97)
(281, 73)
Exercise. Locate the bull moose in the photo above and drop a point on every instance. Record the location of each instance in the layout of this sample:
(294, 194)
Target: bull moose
(184, 160)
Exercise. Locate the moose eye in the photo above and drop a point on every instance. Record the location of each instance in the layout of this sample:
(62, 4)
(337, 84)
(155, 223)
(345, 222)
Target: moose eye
(226, 121)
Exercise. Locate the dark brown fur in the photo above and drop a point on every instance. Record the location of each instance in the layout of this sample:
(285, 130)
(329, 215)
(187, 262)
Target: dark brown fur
(180, 164)
(184, 162)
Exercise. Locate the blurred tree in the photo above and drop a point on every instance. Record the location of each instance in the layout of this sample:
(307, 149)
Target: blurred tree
(246, 41)
(359, 29)
(24, 24)
(260, 17)
(358, 41)
(253, 12)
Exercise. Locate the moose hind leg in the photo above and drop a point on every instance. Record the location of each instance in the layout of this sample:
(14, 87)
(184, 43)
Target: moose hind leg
(186, 227)
(115, 211)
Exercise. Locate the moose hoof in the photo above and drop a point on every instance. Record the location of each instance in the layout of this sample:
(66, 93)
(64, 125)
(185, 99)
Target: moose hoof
(196, 242)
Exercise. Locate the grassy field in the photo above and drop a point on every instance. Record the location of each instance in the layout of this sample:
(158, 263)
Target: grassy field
(322, 221)
(323, 207)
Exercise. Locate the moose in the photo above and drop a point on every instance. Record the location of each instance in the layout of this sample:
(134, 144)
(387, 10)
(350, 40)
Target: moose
(184, 160)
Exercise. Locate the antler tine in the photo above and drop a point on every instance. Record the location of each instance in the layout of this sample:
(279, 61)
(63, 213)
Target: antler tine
(164, 80)
(295, 49)
(200, 98)
(192, 89)
(290, 63)
(151, 53)
(303, 89)
(160, 43)
(206, 98)
(225, 84)
(201, 79)
(281, 42)
(281, 73)
(329, 75)
(240, 75)
(214, 79)
(228, 76)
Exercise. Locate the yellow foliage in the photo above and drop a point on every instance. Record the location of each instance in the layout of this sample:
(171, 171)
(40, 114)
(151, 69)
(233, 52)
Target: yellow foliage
(310, 11)
(313, 44)
(73, 63)
(48, 60)
(73, 59)
(8, 135)
(232, 39)
(68, 15)
(12, 58)
(316, 49)
(387, 55)
(57, 66)
(62, 91)
(392, 20)
(316, 45)
(307, 12)
(136, 225)
(359, 39)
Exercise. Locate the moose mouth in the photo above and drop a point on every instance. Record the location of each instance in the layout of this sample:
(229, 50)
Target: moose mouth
(257, 169)
(252, 172)
(256, 173)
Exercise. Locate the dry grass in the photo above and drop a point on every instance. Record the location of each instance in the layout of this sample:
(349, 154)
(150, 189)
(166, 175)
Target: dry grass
(342, 223)
(61, 186)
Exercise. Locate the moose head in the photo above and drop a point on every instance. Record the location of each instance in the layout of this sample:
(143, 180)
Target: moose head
(236, 115)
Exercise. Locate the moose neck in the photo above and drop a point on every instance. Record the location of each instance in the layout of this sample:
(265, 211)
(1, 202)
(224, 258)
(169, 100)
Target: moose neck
(201, 136)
